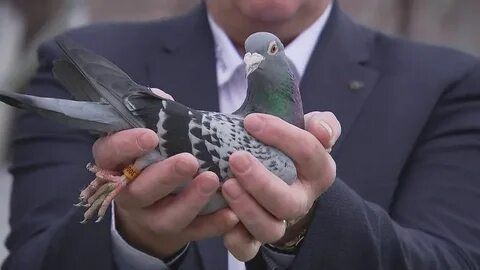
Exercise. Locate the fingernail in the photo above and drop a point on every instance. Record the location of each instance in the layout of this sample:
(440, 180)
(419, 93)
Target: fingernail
(255, 124)
(183, 168)
(208, 187)
(146, 141)
(232, 189)
(161, 93)
(326, 127)
(240, 163)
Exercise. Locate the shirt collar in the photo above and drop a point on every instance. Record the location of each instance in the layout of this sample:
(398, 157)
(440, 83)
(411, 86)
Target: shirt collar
(301, 48)
(298, 51)
(228, 58)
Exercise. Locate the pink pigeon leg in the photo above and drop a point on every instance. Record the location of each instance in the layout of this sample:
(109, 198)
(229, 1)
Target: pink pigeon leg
(103, 189)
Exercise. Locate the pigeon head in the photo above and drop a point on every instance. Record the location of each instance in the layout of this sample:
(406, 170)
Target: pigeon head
(263, 50)
(272, 87)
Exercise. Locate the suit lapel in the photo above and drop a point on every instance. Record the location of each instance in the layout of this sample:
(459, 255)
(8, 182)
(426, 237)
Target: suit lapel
(336, 78)
(185, 64)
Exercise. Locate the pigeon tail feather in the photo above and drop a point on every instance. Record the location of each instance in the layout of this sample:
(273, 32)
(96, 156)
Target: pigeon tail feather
(91, 116)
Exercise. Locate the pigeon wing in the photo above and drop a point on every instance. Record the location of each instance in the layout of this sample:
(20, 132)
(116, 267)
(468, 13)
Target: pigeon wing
(224, 134)
(106, 79)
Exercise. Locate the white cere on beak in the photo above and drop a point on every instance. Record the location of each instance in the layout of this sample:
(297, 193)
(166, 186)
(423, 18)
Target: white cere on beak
(252, 61)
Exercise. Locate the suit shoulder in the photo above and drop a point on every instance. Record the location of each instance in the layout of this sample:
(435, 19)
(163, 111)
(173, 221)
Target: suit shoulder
(112, 39)
(127, 44)
(395, 54)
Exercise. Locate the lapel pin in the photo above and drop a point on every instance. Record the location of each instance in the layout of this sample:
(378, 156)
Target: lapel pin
(356, 85)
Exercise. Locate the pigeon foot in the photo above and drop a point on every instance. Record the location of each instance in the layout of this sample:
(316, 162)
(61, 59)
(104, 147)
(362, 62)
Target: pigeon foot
(99, 194)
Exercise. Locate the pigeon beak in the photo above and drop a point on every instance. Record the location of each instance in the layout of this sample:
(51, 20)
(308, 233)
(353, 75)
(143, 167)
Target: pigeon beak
(252, 61)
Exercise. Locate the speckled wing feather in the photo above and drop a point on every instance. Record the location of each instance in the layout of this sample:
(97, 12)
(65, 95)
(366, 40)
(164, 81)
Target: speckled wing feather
(210, 136)
(224, 134)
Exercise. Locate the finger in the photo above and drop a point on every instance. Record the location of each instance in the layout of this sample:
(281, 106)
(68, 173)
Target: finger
(114, 151)
(241, 244)
(277, 197)
(324, 126)
(260, 224)
(161, 93)
(158, 180)
(211, 225)
(176, 214)
(309, 155)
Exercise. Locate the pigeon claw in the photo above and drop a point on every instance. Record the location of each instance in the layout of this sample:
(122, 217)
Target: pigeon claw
(99, 194)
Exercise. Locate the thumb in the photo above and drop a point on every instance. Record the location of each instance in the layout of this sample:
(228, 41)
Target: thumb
(114, 151)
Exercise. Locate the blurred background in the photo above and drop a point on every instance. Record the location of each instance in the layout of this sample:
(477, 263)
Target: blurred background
(26, 23)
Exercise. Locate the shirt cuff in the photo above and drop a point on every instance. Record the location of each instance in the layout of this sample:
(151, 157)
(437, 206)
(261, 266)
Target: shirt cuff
(129, 258)
(275, 259)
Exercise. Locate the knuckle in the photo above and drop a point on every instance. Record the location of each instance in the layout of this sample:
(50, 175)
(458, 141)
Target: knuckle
(260, 180)
(282, 206)
(242, 249)
(294, 208)
(279, 233)
(224, 220)
(220, 228)
(275, 127)
(330, 170)
(247, 254)
(231, 243)
(274, 233)
(167, 177)
(183, 164)
(138, 196)
(310, 148)
(303, 206)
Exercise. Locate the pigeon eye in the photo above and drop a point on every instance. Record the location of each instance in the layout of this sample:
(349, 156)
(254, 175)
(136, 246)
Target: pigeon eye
(272, 48)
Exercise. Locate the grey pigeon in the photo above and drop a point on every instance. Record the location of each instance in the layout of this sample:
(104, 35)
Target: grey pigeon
(108, 100)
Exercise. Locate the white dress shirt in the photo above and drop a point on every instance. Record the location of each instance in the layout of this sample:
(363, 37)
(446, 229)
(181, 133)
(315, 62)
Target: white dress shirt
(232, 85)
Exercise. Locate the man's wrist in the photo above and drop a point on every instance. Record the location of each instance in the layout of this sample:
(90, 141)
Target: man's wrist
(163, 248)
(294, 233)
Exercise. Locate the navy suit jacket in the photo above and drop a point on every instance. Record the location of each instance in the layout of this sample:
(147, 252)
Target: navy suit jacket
(408, 188)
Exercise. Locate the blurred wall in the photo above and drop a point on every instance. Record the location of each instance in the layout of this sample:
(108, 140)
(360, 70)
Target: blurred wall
(131, 10)
(451, 23)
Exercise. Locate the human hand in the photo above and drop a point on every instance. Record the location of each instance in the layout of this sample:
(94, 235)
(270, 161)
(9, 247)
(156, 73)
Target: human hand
(147, 216)
(261, 200)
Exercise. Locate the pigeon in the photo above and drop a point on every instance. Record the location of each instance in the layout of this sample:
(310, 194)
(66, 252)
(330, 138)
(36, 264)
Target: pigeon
(107, 100)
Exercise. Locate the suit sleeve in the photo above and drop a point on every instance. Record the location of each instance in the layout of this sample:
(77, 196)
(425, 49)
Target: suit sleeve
(48, 169)
(433, 221)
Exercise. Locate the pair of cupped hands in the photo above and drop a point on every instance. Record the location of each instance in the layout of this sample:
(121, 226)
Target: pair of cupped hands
(153, 220)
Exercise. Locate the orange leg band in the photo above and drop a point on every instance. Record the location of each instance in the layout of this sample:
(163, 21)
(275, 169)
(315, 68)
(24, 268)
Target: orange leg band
(130, 172)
